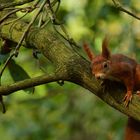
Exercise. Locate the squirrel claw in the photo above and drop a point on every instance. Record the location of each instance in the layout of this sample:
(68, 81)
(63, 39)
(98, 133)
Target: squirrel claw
(127, 99)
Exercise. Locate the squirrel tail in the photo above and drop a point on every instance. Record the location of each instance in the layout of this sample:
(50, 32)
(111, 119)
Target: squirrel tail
(132, 131)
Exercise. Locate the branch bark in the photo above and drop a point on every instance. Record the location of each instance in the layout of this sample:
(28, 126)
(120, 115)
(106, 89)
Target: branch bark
(27, 83)
(121, 8)
(14, 3)
(72, 66)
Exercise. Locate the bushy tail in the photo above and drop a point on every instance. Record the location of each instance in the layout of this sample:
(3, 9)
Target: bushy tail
(132, 131)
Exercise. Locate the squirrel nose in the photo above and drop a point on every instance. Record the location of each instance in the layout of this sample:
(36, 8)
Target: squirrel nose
(99, 76)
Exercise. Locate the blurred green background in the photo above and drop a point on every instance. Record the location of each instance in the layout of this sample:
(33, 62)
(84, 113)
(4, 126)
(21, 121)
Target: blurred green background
(70, 112)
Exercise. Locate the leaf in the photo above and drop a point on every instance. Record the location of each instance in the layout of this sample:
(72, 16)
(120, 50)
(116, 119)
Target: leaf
(18, 74)
(3, 58)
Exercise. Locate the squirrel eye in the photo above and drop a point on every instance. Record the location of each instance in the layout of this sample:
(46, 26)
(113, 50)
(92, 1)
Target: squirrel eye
(105, 64)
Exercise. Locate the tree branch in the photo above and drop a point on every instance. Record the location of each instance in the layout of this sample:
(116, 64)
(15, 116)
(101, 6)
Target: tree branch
(118, 6)
(27, 83)
(14, 3)
(74, 67)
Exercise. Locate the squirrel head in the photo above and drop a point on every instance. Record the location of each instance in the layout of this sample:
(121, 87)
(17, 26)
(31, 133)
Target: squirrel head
(101, 63)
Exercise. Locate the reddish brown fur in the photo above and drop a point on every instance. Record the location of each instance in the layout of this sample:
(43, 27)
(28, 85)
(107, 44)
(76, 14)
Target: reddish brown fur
(89, 52)
(120, 68)
(132, 130)
(105, 51)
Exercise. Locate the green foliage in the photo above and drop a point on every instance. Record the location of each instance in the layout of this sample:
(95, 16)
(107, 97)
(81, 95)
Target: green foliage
(62, 113)
(70, 112)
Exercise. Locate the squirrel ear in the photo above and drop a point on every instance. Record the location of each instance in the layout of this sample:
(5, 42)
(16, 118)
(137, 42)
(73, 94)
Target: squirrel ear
(88, 51)
(105, 51)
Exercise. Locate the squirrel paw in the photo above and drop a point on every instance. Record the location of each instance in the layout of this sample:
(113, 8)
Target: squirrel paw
(127, 99)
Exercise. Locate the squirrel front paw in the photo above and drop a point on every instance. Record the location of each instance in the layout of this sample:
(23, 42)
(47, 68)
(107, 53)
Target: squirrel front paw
(127, 99)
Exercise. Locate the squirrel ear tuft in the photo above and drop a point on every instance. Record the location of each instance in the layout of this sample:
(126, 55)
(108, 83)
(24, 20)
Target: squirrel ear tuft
(88, 51)
(105, 51)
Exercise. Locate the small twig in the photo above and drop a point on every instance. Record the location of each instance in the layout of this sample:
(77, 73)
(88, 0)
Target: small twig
(15, 20)
(15, 3)
(11, 8)
(28, 27)
(20, 8)
(52, 4)
(118, 6)
(60, 33)
(51, 13)
(58, 6)
(66, 33)
(67, 38)
(26, 9)
(45, 24)
(11, 28)
(36, 3)
(8, 14)
(54, 21)
(40, 20)
(70, 40)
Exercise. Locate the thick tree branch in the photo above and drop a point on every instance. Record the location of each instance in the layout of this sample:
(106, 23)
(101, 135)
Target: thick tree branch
(74, 67)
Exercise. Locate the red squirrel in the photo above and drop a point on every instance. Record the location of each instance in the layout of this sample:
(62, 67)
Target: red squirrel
(118, 67)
